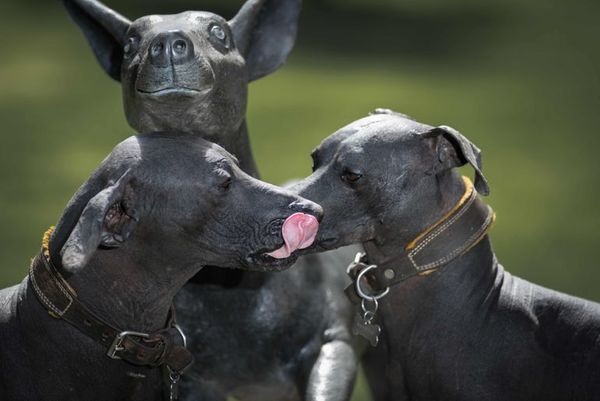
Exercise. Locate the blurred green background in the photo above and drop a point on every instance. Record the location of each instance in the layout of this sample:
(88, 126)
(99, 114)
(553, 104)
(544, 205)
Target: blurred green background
(521, 79)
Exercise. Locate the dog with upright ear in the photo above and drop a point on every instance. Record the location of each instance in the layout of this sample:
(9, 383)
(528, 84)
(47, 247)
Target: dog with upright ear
(105, 221)
(264, 32)
(105, 31)
(189, 72)
(455, 150)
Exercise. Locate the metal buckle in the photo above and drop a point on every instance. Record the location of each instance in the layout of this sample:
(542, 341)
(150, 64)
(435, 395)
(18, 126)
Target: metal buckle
(116, 344)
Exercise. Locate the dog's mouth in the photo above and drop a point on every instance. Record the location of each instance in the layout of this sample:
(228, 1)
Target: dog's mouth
(298, 231)
(175, 91)
(320, 245)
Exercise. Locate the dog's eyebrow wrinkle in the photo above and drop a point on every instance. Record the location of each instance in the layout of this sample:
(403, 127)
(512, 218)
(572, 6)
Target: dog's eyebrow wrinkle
(369, 123)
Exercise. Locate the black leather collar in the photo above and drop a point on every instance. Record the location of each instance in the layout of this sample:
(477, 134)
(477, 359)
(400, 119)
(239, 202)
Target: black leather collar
(449, 238)
(165, 347)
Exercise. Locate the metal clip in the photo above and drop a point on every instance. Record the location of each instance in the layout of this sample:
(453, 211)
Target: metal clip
(364, 324)
(364, 295)
(358, 261)
(116, 344)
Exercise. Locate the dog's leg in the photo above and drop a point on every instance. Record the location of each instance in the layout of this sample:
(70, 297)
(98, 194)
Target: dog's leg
(333, 374)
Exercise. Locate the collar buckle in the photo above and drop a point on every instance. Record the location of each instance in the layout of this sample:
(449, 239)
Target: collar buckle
(117, 343)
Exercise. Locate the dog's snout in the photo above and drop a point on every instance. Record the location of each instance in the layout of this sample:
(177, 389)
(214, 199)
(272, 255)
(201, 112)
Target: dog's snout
(306, 206)
(172, 47)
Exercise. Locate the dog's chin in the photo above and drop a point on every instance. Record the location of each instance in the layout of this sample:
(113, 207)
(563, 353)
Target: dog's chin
(260, 261)
(323, 245)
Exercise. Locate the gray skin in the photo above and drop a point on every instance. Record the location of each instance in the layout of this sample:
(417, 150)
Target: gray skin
(470, 331)
(258, 336)
(156, 211)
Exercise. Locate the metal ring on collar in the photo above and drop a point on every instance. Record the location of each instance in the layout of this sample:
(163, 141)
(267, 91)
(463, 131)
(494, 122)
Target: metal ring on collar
(183, 337)
(363, 294)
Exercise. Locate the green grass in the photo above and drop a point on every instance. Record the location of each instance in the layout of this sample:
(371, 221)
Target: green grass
(520, 79)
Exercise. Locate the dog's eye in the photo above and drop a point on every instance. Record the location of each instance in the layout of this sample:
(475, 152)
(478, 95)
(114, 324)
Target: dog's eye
(225, 183)
(130, 47)
(218, 32)
(218, 38)
(351, 177)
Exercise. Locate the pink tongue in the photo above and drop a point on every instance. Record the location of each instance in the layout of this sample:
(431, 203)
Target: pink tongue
(299, 232)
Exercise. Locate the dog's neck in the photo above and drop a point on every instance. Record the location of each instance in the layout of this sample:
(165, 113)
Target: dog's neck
(462, 284)
(440, 194)
(129, 293)
(458, 286)
(77, 362)
(124, 294)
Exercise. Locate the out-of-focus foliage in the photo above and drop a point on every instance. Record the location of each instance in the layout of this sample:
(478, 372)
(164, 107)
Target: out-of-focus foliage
(519, 78)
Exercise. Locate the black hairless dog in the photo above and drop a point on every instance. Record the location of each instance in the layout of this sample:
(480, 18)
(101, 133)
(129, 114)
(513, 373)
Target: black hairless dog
(455, 324)
(156, 211)
(257, 336)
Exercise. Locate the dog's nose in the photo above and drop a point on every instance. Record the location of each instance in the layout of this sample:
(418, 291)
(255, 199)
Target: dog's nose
(172, 47)
(306, 206)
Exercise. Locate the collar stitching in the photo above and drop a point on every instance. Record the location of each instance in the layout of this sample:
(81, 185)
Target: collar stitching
(439, 231)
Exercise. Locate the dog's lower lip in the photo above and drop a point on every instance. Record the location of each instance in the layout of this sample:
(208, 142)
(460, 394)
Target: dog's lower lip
(326, 242)
(268, 262)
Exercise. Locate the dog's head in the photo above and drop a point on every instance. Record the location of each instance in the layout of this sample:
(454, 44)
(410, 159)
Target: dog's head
(188, 72)
(384, 175)
(181, 202)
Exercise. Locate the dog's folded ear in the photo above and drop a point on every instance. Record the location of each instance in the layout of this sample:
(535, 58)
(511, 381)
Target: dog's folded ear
(107, 220)
(105, 31)
(455, 150)
(264, 32)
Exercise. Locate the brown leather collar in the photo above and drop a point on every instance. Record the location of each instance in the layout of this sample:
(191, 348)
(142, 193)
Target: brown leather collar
(449, 238)
(165, 347)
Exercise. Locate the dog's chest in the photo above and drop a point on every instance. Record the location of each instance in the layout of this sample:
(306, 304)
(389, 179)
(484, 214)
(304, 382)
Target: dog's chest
(257, 337)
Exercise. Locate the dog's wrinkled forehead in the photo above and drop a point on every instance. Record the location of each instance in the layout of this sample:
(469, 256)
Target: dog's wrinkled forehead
(189, 22)
(375, 129)
(185, 157)
(218, 156)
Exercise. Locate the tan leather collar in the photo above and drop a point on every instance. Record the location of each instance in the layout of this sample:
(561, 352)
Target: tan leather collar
(445, 240)
(165, 347)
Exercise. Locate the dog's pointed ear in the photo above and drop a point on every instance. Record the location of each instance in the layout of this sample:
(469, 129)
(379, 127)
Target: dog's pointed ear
(264, 32)
(107, 220)
(105, 31)
(455, 150)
